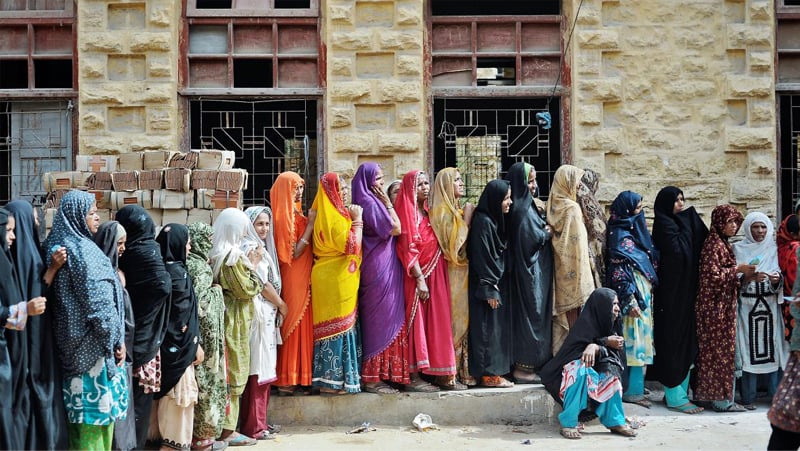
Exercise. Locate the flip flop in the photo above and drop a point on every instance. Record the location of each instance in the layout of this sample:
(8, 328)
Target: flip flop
(644, 402)
(237, 439)
(623, 430)
(420, 386)
(733, 407)
(264, 435)
(571, 433)
(380, 388)
(496, 382)
(688, 408)
(274, 428)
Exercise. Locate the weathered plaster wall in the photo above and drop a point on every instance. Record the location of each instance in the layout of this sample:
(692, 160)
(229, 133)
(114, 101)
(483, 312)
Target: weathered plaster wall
(677, 92)
(375, 106)
(128, 75)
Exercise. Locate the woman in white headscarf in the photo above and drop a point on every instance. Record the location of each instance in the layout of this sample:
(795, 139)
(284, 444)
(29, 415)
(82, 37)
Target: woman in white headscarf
(759, 332)
(269, 311)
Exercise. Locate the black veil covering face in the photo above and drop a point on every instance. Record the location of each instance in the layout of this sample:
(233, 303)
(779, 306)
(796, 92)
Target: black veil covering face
(10, 294)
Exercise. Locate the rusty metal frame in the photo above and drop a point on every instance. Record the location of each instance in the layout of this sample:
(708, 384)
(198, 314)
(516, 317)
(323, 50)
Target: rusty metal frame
(27, 15)
(267, 11)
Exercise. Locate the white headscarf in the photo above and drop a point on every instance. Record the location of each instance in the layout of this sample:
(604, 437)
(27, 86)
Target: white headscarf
(765, 251)
(252, 241)
(230, 228)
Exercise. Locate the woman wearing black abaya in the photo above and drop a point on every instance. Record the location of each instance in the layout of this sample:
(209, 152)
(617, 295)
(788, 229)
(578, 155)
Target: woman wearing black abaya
(530, 276)
(490, 348)
(111, 238)
(46, 425)
(180, 347)
(149, 286)
(678, 234)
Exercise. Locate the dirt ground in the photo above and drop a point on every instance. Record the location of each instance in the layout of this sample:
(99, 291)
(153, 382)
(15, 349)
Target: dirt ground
(662, 429)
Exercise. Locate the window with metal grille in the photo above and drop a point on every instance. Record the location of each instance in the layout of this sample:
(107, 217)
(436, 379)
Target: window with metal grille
(484, 137)
(246, 8)
(495, 7)
(789, 156)
(268, 137)
(36, 56)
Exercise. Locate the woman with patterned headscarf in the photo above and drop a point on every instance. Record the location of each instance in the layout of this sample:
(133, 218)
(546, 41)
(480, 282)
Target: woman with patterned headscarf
(427, 291)
(337, 251)
(235, 271)
(788, 241)
(572, 267)
(211, 374)
(381, 307)
(89, 326)
(715, 308)
(269, 311)
(632, 275)
(450, 222)
(293, 232)
(594, 218)
(759, 335)
(530, 281)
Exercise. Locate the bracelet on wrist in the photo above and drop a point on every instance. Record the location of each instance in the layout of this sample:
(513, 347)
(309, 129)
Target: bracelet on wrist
(304, 241)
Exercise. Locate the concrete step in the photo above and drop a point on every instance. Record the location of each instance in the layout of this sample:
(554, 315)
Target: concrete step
(518, 405)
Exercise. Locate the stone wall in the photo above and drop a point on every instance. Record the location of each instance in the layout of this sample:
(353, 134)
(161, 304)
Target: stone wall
(677, 92)
(375, 107)
(128, 75)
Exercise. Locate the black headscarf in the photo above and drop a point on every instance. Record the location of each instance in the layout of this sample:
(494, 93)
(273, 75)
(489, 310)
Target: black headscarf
(179, 346)
(10, 294)
(530, 266)
(148, 282)
(679, 239)
(47, 426)
(491, 349)
(595, 322)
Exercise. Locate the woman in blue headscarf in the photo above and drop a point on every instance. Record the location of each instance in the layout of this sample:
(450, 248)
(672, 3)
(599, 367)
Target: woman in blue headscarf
(631, 273)
(89, 326)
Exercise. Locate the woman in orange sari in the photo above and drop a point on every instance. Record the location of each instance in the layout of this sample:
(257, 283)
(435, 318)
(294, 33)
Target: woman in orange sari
(335, 277)
(427, 286)
(292, 234)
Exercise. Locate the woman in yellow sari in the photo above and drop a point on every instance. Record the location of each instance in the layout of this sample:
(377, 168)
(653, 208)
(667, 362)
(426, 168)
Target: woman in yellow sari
(450, 222)
(334, 280)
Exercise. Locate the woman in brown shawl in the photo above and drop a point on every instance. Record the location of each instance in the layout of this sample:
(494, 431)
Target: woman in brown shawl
(573, 272)
(594, 218)
(450, 222)
(716, 307)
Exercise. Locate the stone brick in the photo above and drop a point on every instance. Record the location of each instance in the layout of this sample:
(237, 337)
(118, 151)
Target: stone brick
(753, 190)
(673, 116)
(698, 139)
(150, 42)
(342, 67)
(652, 138)
(160, 119)
(690, 89)
(158, 93)
(761, 112)
(375, 117)
(639, 90)
(126, 119)
(698, 11)
(749, 86)
(590, 114)
(711, 112)
(160, 15)
(399, 142)
(349, 91)
(760, 10)
(341, 14)
(126, 67)
(101, 43)
(742, 36)
(351, 40)
(149, 142)
(589, 62)
(103, 94)
(400, 92)
(377, 14)
(760, 61)
(694, 64)
(409, 65)
(92, 120)
(598, 39)
(604, 90)
(126, 16)
(375, 65)
(353, 142)
(409, 118)
(407, 16)
(159, 66)
(398, 40)
(741, 138)
(761, 162)
(589, 16)
(101, 144)
(93, 67)
(697, 38)
(340, 117)
(607, 140)
(649, 37)
(92, 16)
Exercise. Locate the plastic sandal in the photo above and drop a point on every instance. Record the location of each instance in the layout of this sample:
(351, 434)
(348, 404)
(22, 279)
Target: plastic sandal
(571, 433)
(623, 430)
(687, 408)
(496, 382)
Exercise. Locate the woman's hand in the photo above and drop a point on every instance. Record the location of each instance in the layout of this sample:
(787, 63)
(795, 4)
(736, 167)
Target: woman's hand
(58, 258)
(355, 212)
(283, 309)
(199, 356)
(36, 306)
(422, 289)
(748, 270)
(634, 311)
(589, 353)
(119, 354)
(381, 195)
(615, 342)
(774, 278)
(256, 255)
(493, 303)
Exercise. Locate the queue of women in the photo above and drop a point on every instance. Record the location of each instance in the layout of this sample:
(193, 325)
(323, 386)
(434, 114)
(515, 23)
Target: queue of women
(120, 337)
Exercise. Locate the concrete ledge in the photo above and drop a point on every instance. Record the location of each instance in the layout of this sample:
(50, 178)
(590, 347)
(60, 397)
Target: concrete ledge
(519, 405)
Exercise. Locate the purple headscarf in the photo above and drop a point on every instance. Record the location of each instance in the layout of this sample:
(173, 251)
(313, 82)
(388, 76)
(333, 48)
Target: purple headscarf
(381, 305)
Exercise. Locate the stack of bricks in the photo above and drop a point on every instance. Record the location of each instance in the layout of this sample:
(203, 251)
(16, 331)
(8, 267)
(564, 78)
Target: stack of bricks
(173, 187)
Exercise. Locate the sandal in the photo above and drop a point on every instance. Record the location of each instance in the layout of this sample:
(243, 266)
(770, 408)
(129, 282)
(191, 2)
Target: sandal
(644, 402)
(623, 430)
(274, 428)
(237, 439)
(496, 382)
(450, 383)
(380, 388)
(264, 435)
(286, 391)
(420, 386)
(733, 407)
(687, 408)
(749, 406)
(331, 392)
(208, 444)
(570, 433)
(469, 381)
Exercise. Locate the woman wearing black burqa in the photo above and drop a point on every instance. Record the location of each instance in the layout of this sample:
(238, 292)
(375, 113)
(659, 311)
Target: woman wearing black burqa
(490, 348)
(46, 425)
(678, 234)
(149, 286)
(530, 277)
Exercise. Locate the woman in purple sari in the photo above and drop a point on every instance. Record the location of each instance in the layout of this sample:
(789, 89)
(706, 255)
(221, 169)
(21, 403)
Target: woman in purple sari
(381, 305)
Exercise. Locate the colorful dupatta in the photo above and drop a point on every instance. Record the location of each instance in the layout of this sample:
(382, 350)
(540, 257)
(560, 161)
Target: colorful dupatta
(335, 274)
